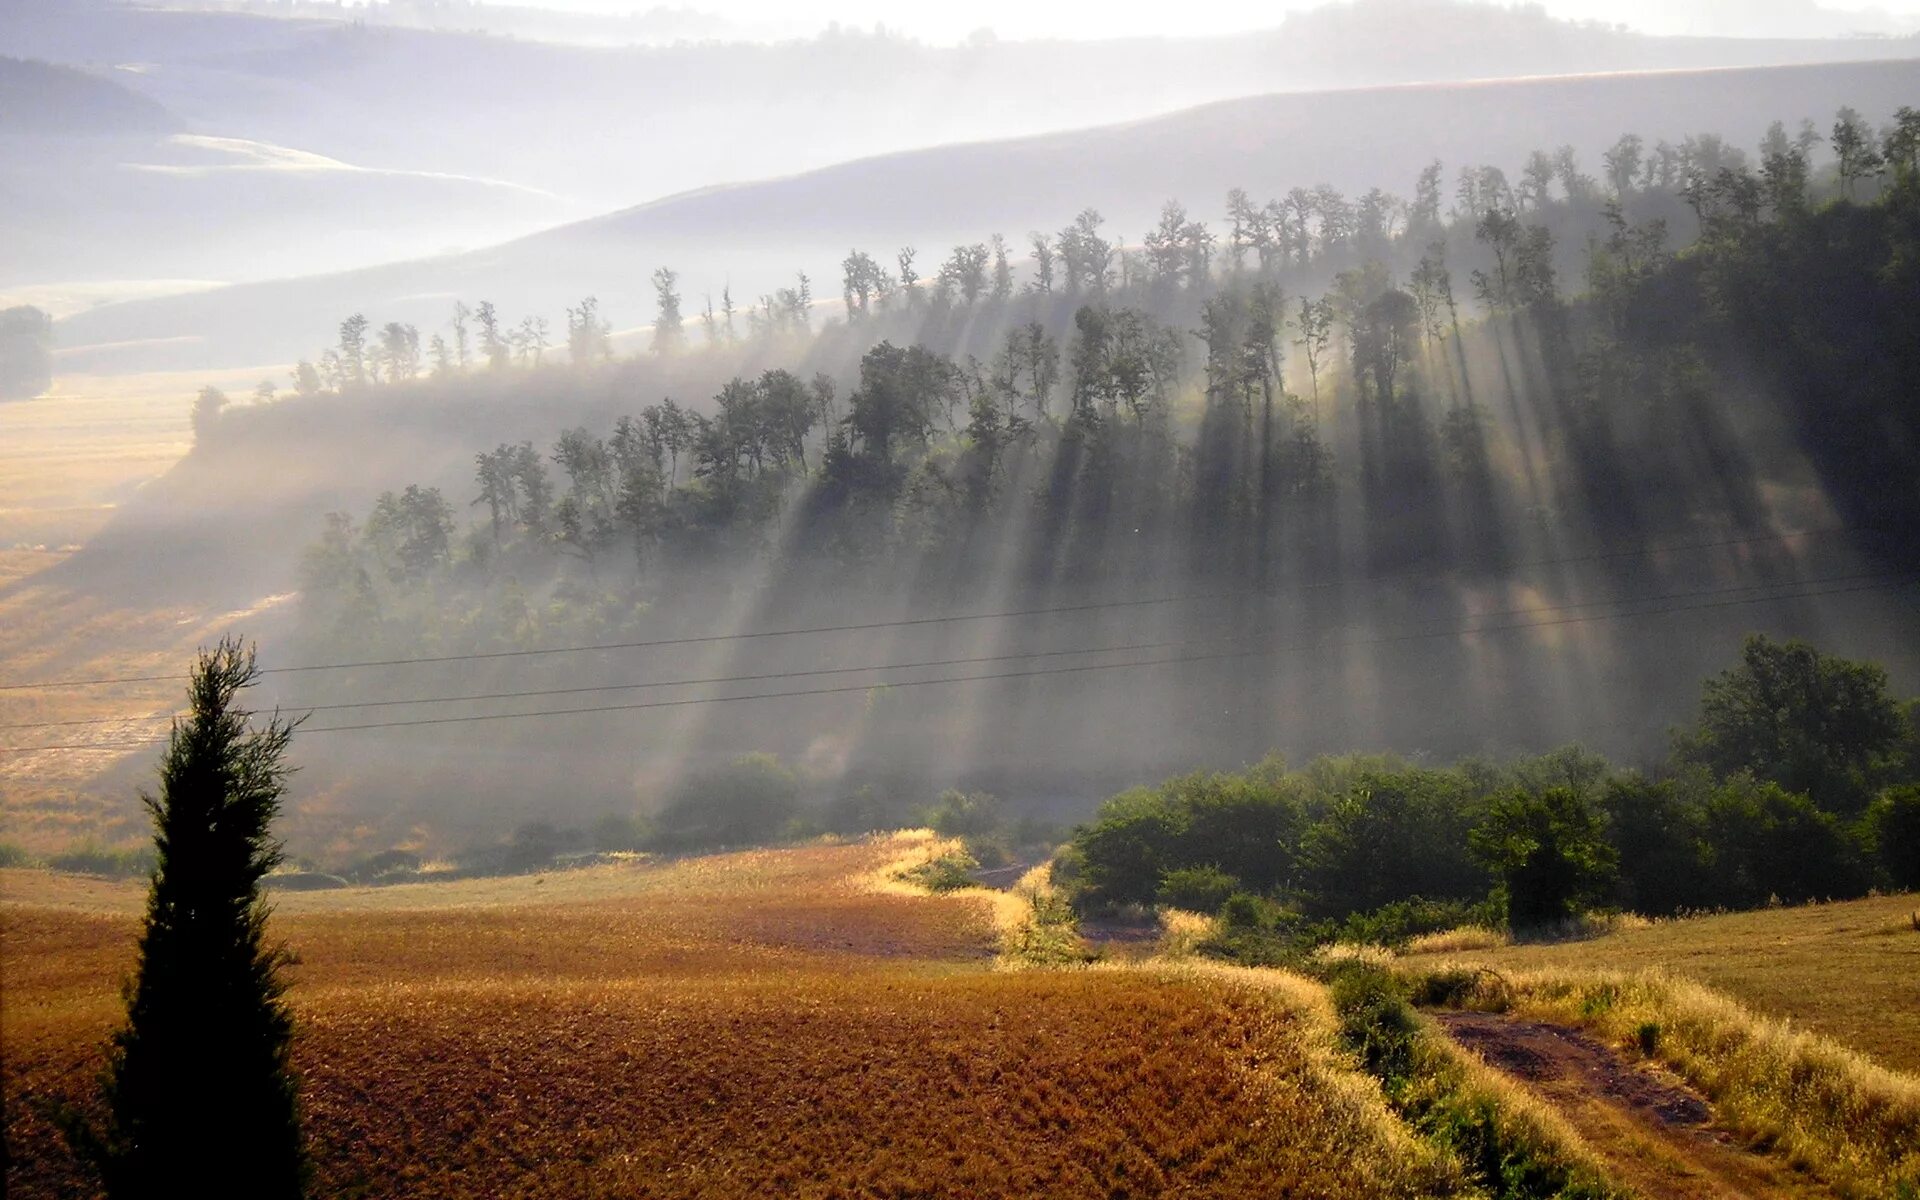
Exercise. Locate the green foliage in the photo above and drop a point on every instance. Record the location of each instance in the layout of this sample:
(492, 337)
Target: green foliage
(115, 862)
(620, 832)
(1550, 850)
(13, 854)
(966, 814)
(1197, 889)
(1245, 826)
(1894, 824)
(1392, 925)
(1511, 1158)
(749, 800)
(1769, 844)
(1391, 836)
(948, 873)
(1257, 932)
(1809, 722)
(200, 1096)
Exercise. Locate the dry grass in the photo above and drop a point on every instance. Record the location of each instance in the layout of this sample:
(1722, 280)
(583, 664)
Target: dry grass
(1847, 1119)
(1181, 933)
(1454, 941)
(746, 1025)
(1845, 970)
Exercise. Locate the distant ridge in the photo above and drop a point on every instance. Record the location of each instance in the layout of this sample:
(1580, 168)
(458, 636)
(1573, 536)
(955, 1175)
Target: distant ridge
(754, 235)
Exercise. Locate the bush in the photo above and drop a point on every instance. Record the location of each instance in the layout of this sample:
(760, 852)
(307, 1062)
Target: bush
(1894, 825)
(1257, 932)
(948, 873)
(91, 858)
(1197, 889)
(966, 814)
(386, 866)
(751, 799)
(1398, 923)
(1550, 850)
(618, 833)
(12, 854)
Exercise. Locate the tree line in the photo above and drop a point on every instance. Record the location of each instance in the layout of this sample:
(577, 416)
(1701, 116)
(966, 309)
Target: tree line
(1798, 780)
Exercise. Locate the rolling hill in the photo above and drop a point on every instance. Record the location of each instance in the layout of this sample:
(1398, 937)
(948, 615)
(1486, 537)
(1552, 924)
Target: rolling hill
(753, 236)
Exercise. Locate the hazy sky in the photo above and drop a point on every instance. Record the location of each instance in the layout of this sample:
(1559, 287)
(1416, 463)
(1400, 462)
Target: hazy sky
(1088, 18)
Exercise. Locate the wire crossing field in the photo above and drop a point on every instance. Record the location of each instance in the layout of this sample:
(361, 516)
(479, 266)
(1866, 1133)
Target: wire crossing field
(753, 1024)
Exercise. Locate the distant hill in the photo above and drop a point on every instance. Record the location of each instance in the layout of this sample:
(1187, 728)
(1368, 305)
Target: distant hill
(40, 99)
(753, 236)
(601, 127)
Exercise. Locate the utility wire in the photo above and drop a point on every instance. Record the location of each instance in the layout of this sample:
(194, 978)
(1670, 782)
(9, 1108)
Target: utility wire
(705, 639)
(1046, 671)
(973, 660)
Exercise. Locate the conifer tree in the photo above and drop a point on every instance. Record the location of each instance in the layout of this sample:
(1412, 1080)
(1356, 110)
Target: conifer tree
(201, 1099)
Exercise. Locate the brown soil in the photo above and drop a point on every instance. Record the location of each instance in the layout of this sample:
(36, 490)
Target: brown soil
(1655, 1134)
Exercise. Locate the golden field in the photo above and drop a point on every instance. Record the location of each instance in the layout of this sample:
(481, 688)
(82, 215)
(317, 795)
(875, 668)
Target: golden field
(68, 461)
(1849, 970)
(756, 1024)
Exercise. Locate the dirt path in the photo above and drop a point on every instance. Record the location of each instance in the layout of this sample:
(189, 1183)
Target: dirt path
(1656, 1134)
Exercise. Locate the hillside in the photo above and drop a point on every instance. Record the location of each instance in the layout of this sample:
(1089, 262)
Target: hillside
(1782, 962)
(598, 128)
(40, 99)
(753, 236)
(747, 1025)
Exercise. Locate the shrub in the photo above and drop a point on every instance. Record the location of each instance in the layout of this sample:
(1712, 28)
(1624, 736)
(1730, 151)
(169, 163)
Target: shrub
(619, 832)
(948, 873)
(1197, 889)
(1894, 824)
(1549, 849)
(751, 799)
(91, 858)
(385, 866)
(12, 854)
(966, 814)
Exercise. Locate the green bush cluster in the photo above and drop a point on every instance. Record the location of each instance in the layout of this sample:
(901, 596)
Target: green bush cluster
(1378, 849)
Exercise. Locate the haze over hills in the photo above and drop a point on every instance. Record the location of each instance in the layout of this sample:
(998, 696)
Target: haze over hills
(561, 132)
(754, 236)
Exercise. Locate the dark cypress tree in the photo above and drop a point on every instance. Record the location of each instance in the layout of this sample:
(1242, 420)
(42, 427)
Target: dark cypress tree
(200, 1097)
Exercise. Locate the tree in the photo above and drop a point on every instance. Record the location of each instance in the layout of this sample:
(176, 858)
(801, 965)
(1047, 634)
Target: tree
(207, 407)
(1894, 821)
(26, 352)
(1853, 147)
(669, 336)
(1316, 334)
(1815, 724)
(1549, 849)
(201, 1098)
(494, 346)
(1043, 258)
(398, 355)
(306, 380)
(587, 334)
(353, 350)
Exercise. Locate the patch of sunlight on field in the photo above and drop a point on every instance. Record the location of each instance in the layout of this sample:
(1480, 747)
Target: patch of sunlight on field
(1848, 970)
(68, 461)
(70, 458)
(50, 798)
(751, 1024)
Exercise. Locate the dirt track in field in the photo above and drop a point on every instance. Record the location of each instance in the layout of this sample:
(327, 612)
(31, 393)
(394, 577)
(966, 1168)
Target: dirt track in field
(1655, 1133)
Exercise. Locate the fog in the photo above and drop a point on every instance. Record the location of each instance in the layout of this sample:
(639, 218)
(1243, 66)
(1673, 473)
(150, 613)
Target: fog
(1543, 519)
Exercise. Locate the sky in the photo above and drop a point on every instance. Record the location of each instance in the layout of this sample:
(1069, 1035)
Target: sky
(1089, 18)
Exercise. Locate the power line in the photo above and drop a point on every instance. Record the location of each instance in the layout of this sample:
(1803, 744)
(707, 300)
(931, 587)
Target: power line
(972, 660)
(868, 626)
(1047, 671)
